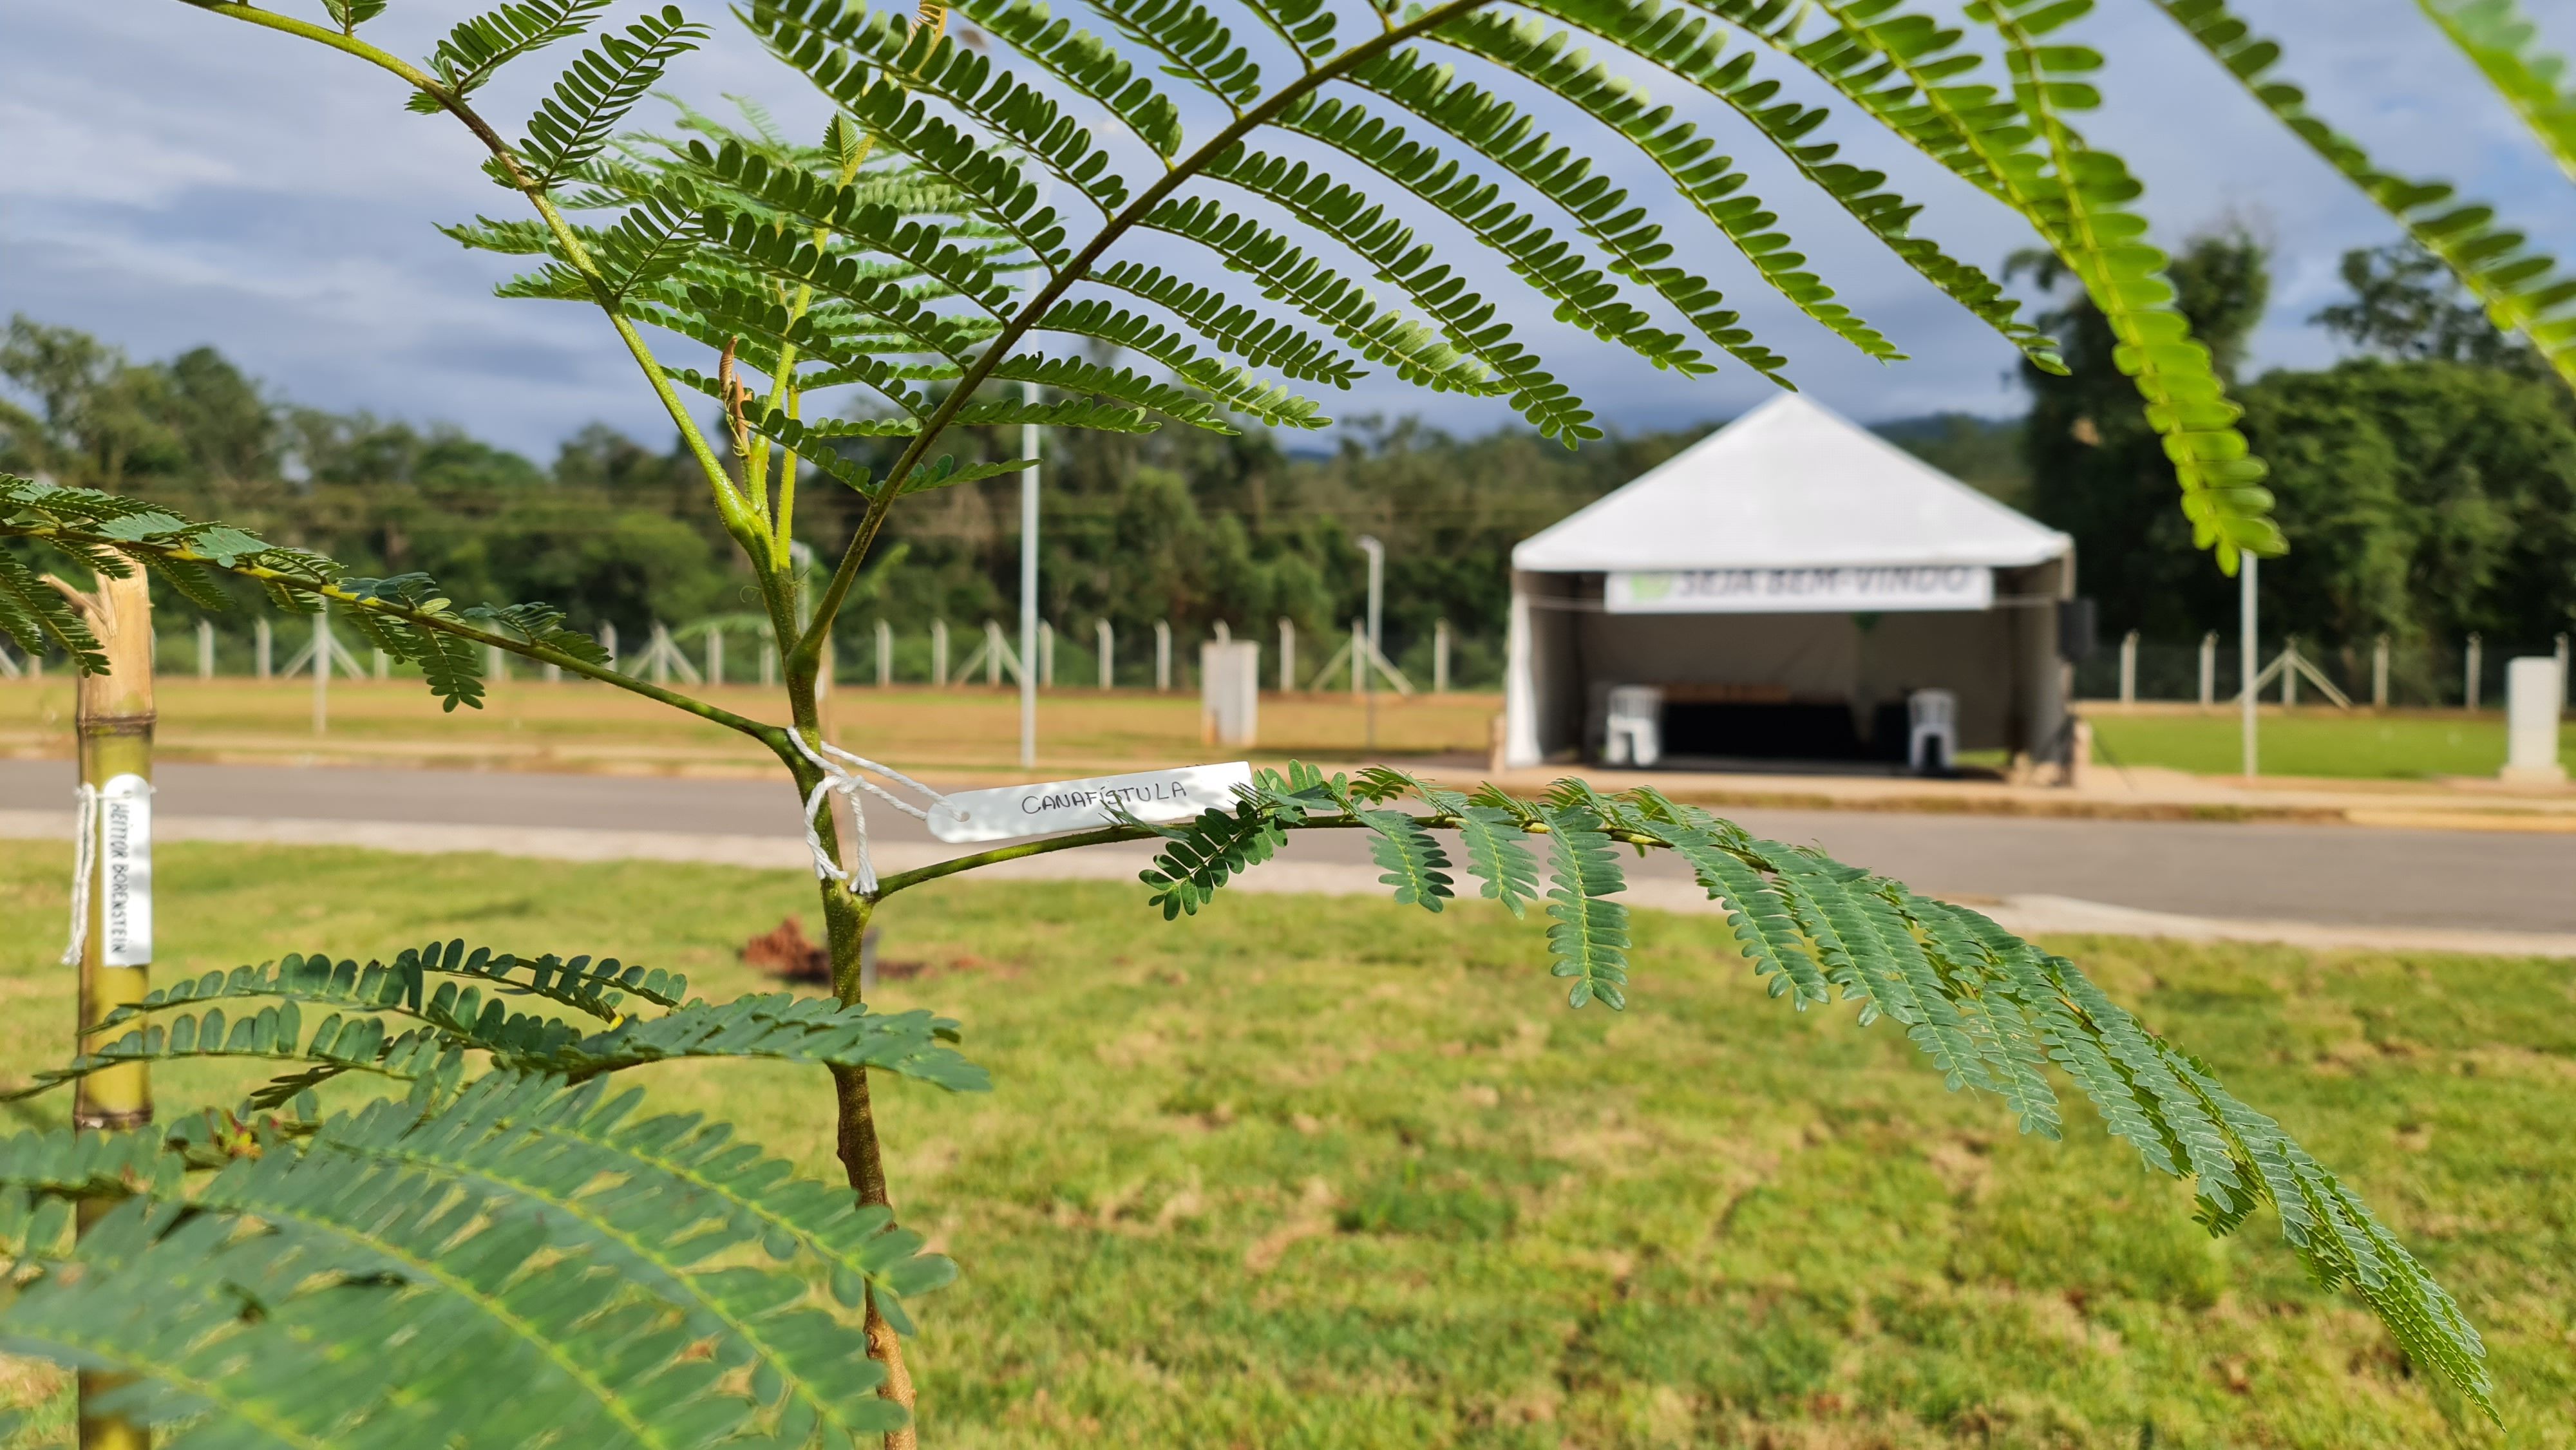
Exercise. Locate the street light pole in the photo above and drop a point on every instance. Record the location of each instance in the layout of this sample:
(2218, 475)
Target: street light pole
(1029, 585)
(1376, 627)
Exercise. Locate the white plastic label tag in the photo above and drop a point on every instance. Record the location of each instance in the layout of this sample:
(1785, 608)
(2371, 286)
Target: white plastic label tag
(1158, 796)
(125, 872)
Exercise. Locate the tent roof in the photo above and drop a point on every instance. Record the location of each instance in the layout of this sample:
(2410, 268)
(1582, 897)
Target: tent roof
(1790, 484)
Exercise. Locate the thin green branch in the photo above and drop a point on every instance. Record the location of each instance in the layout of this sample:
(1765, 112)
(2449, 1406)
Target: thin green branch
(419, 619)
(1103, 836)
(846, 572)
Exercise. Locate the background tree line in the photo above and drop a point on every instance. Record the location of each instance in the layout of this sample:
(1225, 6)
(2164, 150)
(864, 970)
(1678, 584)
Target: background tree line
(1185, 526)
(2428, 483)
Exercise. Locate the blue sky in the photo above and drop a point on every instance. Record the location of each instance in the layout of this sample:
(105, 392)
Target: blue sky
(173, 178)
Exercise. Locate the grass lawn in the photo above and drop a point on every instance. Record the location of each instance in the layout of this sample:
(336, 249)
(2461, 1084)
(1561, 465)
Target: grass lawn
(577, 725)
(1300, 1173)
(2320, 743)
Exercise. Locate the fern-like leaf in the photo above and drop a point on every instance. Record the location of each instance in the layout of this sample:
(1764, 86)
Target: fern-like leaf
(2522, 288)
(1200, 858)
(1414, 863)
(572, 125)
(2502, 43)
(482, 44)
(1590, 936)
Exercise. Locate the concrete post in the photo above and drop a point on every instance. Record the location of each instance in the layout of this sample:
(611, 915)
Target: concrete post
(384, 666)
(1108, 645)
(1440, 657)
(496, 665)
(1229, 693)
(1046, 654)
(2290, 670)
(2247, 666)
(939, 653)
(2561, 654)
(2473, 669)
(262, 645)
(552, 672)
(768, 663)
(608, 641)
(993, 656)
(715, 656)
(885, 655)
(2379, 674)
(2209, 669)
(206, 649)
(1287, 654)
(1359, 657)
(2129, 668)
(1224, 632)
(2532, 695)
(1162, 654)
(322, 668)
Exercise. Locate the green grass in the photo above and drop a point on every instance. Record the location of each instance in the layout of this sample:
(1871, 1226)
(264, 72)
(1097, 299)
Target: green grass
(2359, 746)
(1309, 1173)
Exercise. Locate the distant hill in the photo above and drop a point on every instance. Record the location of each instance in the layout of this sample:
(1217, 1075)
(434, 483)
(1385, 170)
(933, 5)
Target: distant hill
(1984, 453)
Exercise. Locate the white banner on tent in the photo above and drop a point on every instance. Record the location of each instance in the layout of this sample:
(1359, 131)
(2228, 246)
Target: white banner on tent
(1799, 591)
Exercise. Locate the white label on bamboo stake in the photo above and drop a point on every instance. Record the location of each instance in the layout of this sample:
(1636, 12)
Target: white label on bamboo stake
(1158, 796)
(125, 872)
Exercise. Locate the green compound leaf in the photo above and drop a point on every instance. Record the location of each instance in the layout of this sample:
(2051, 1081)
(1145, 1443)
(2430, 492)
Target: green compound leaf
(1415, 865)
(1589, 939)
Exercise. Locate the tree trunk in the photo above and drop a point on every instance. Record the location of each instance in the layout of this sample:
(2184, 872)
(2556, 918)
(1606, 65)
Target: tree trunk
(845, 924)
(113, 720)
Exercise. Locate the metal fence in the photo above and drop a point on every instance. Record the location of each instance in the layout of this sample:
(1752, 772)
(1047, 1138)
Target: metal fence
(938, 653)
(2452, 674)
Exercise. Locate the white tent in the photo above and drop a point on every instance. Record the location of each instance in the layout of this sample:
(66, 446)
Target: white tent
(1796, 561)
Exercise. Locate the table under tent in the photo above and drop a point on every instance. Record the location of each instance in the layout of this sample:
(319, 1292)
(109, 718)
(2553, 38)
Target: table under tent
(1792, 591)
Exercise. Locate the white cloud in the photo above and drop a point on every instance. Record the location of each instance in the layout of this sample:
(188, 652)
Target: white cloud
(175, 179)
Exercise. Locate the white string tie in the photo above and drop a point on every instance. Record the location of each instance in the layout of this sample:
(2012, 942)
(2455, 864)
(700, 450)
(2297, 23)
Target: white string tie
(84, 864)
(840, 773)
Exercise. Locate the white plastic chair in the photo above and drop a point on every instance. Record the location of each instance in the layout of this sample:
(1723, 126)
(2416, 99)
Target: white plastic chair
(1635, 735)
(1932, 730)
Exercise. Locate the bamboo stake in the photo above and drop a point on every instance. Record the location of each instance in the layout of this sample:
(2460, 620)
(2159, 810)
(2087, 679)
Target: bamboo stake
(113, 719)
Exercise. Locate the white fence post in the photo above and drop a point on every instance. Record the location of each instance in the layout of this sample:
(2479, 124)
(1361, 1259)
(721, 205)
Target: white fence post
(2290, 670)
(206, 649)
(1359, 656)
(885, 655)
(494, 668)
(1046, 654)
(554, 673)
(2129, 668)
(715, 655)
(992, 652)
(262, 644)
(2562, 664)
(1287, 654)
(2379, 674)
(1440, 657)
(2209, 669)
(322, 668)
(768, 662)
(939, 654)
(1108, 640)
(2473, 670)
(608, 641)
(1162, 654)
(384, 664)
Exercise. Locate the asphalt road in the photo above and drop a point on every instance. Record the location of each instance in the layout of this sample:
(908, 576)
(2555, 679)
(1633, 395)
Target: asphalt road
(2345, 875)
